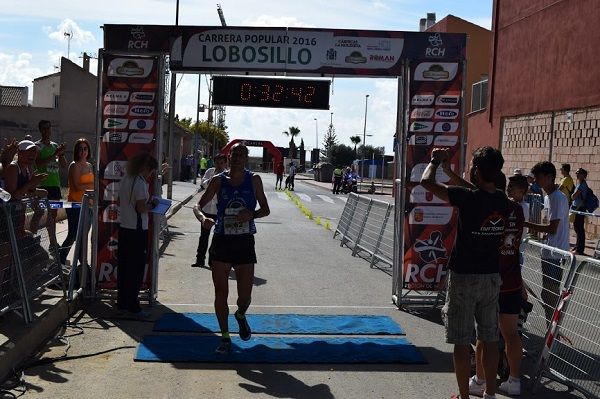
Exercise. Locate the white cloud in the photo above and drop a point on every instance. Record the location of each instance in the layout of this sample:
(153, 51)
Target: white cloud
(17, 70)
(380, 5)
(269, 20)
(69, 27)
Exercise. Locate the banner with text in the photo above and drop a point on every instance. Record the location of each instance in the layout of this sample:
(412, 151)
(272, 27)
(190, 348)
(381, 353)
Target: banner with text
(289, 51)
(433, 120)
(129, 117)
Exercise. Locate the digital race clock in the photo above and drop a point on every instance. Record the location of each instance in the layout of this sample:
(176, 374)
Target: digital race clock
(271, 92)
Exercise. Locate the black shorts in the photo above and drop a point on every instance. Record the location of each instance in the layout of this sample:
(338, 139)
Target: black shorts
(510, 302)
(235, 250)
(53, 192)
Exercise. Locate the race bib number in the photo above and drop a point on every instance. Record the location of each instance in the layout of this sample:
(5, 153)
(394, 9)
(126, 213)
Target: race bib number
(234, 227)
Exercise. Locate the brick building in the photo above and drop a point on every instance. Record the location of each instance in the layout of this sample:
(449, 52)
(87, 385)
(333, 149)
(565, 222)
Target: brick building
(543, 100)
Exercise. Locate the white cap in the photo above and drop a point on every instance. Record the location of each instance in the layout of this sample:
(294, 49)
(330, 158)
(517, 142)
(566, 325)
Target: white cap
(25, 145)
(517, 172)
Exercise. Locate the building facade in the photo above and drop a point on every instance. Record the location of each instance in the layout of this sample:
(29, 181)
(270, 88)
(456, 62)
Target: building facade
(543, 98)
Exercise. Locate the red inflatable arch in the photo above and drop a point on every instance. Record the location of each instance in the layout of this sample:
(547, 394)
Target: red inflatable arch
(277, 158)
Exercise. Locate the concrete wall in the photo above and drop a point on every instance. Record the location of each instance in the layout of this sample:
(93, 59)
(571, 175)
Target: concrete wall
(561, 137)
(44, 91)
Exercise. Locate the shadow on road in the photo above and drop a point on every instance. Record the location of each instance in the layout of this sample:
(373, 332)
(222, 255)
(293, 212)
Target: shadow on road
(279, 384)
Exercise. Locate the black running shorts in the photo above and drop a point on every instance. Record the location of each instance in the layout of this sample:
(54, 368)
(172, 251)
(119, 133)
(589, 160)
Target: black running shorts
(232, 249)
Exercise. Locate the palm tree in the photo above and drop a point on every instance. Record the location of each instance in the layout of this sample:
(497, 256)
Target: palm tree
(356, 141)
(292, 131)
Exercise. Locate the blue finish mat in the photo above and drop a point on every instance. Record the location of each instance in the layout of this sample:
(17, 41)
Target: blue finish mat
(288, 349)
(283, 324)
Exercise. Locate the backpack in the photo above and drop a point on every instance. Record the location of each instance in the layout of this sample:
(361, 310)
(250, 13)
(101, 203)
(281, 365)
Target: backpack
(591, 201)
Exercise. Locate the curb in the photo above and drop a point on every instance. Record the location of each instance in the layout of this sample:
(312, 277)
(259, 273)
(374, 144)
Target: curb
(32, 336)
(180, 205)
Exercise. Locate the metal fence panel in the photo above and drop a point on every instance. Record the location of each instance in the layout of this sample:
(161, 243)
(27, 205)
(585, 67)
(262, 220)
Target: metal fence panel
(347, 215)
(9, 283)
(536, 204)
(357, 221)
(374, 222)
(39, 260)
(574, 357)
(546, 272)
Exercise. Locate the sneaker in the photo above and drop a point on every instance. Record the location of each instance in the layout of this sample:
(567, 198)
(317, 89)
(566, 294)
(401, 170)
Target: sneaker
(224, 347)
(511, 387)
(245, 332)
(476, 388)
(198, 264)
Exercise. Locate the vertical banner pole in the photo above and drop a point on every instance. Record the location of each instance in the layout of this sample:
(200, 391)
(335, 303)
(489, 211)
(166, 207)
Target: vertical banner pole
(398, 187)
(170, 140)
(97, 179)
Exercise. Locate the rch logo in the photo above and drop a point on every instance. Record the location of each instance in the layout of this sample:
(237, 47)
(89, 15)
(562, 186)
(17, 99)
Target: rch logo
(436, 49)
(138, 34)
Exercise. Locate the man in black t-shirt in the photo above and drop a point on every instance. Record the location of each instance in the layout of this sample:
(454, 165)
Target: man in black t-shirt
(473, 277)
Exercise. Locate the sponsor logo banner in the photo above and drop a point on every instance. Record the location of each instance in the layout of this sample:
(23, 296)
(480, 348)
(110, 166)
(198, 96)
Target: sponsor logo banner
(141, 124)
(141, 110)
(114, 137)
(418, 195)
(142, 97)
(431, 215)
(116, 123)
(436, 71)
(418, 170)
(111, 192)
(420, 139)
(115, 170)
(116, 109)
(447, 113)
(421, 126)
(118, 96)
(446, 127)
(141, 138)
(130, 67)
(445, 141)
(422, 113)
(111, 214)
(447, 99)
(422, 99)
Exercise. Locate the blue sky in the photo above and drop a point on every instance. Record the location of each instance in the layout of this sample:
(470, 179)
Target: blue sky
(32, 41)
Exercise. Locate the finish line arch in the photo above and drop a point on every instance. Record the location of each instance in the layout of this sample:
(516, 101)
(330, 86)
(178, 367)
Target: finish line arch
(277, 158)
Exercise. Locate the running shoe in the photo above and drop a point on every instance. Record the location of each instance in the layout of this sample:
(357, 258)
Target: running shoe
(224, 347)
(245, 332)
(475, 388)
(511, 387)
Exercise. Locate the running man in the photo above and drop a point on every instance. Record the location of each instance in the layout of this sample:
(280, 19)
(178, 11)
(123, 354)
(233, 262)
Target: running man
(232, 245)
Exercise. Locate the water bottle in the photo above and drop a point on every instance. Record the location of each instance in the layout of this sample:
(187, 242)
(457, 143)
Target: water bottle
(4, 195)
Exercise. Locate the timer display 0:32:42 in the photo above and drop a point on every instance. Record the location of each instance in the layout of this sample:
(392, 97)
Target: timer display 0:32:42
(276, 93)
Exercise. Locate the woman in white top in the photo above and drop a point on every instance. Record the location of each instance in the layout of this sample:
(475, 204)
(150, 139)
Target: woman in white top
(134, 204)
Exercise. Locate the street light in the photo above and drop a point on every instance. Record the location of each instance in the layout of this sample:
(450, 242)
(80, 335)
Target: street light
(317, 132)
(362, 163)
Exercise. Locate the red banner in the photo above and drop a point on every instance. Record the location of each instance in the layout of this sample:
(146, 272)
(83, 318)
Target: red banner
(129, 113)
(434, 120)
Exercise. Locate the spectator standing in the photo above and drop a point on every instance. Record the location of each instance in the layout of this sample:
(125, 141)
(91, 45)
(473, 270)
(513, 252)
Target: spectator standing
(279, 173)
(209, 210)
(134, 205)
(579, 197)
(203, 165)
(292, 175)
(556, 209)
(566, 186)
(473, 277)
(534, 187)
(50, 159)
(338, 174)
(81, 178)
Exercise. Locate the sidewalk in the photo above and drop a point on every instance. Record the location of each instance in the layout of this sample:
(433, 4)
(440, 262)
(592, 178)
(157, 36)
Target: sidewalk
(386, 191)
(18, 341)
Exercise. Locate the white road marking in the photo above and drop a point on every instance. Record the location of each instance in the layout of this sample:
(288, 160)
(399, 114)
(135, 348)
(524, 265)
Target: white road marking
(343, 199)
(304, 197)
(282, 196)
(325, 198)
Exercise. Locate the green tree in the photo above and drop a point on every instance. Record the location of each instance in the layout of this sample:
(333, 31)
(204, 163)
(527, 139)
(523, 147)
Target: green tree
(341, 155)
(211, 134)
(329, 141)
(292, 132)
(356, 141)
(367, 151)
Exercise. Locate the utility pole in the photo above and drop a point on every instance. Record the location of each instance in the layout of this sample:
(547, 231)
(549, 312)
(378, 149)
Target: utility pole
(362, 161)
(171, 120)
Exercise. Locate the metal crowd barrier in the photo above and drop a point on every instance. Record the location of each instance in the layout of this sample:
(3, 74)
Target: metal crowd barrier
(28, 261)
(536, 204)
(367, 225)
(571, 352)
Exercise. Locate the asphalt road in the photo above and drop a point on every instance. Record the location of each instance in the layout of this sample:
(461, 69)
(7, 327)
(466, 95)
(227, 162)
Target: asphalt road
(301, 269)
